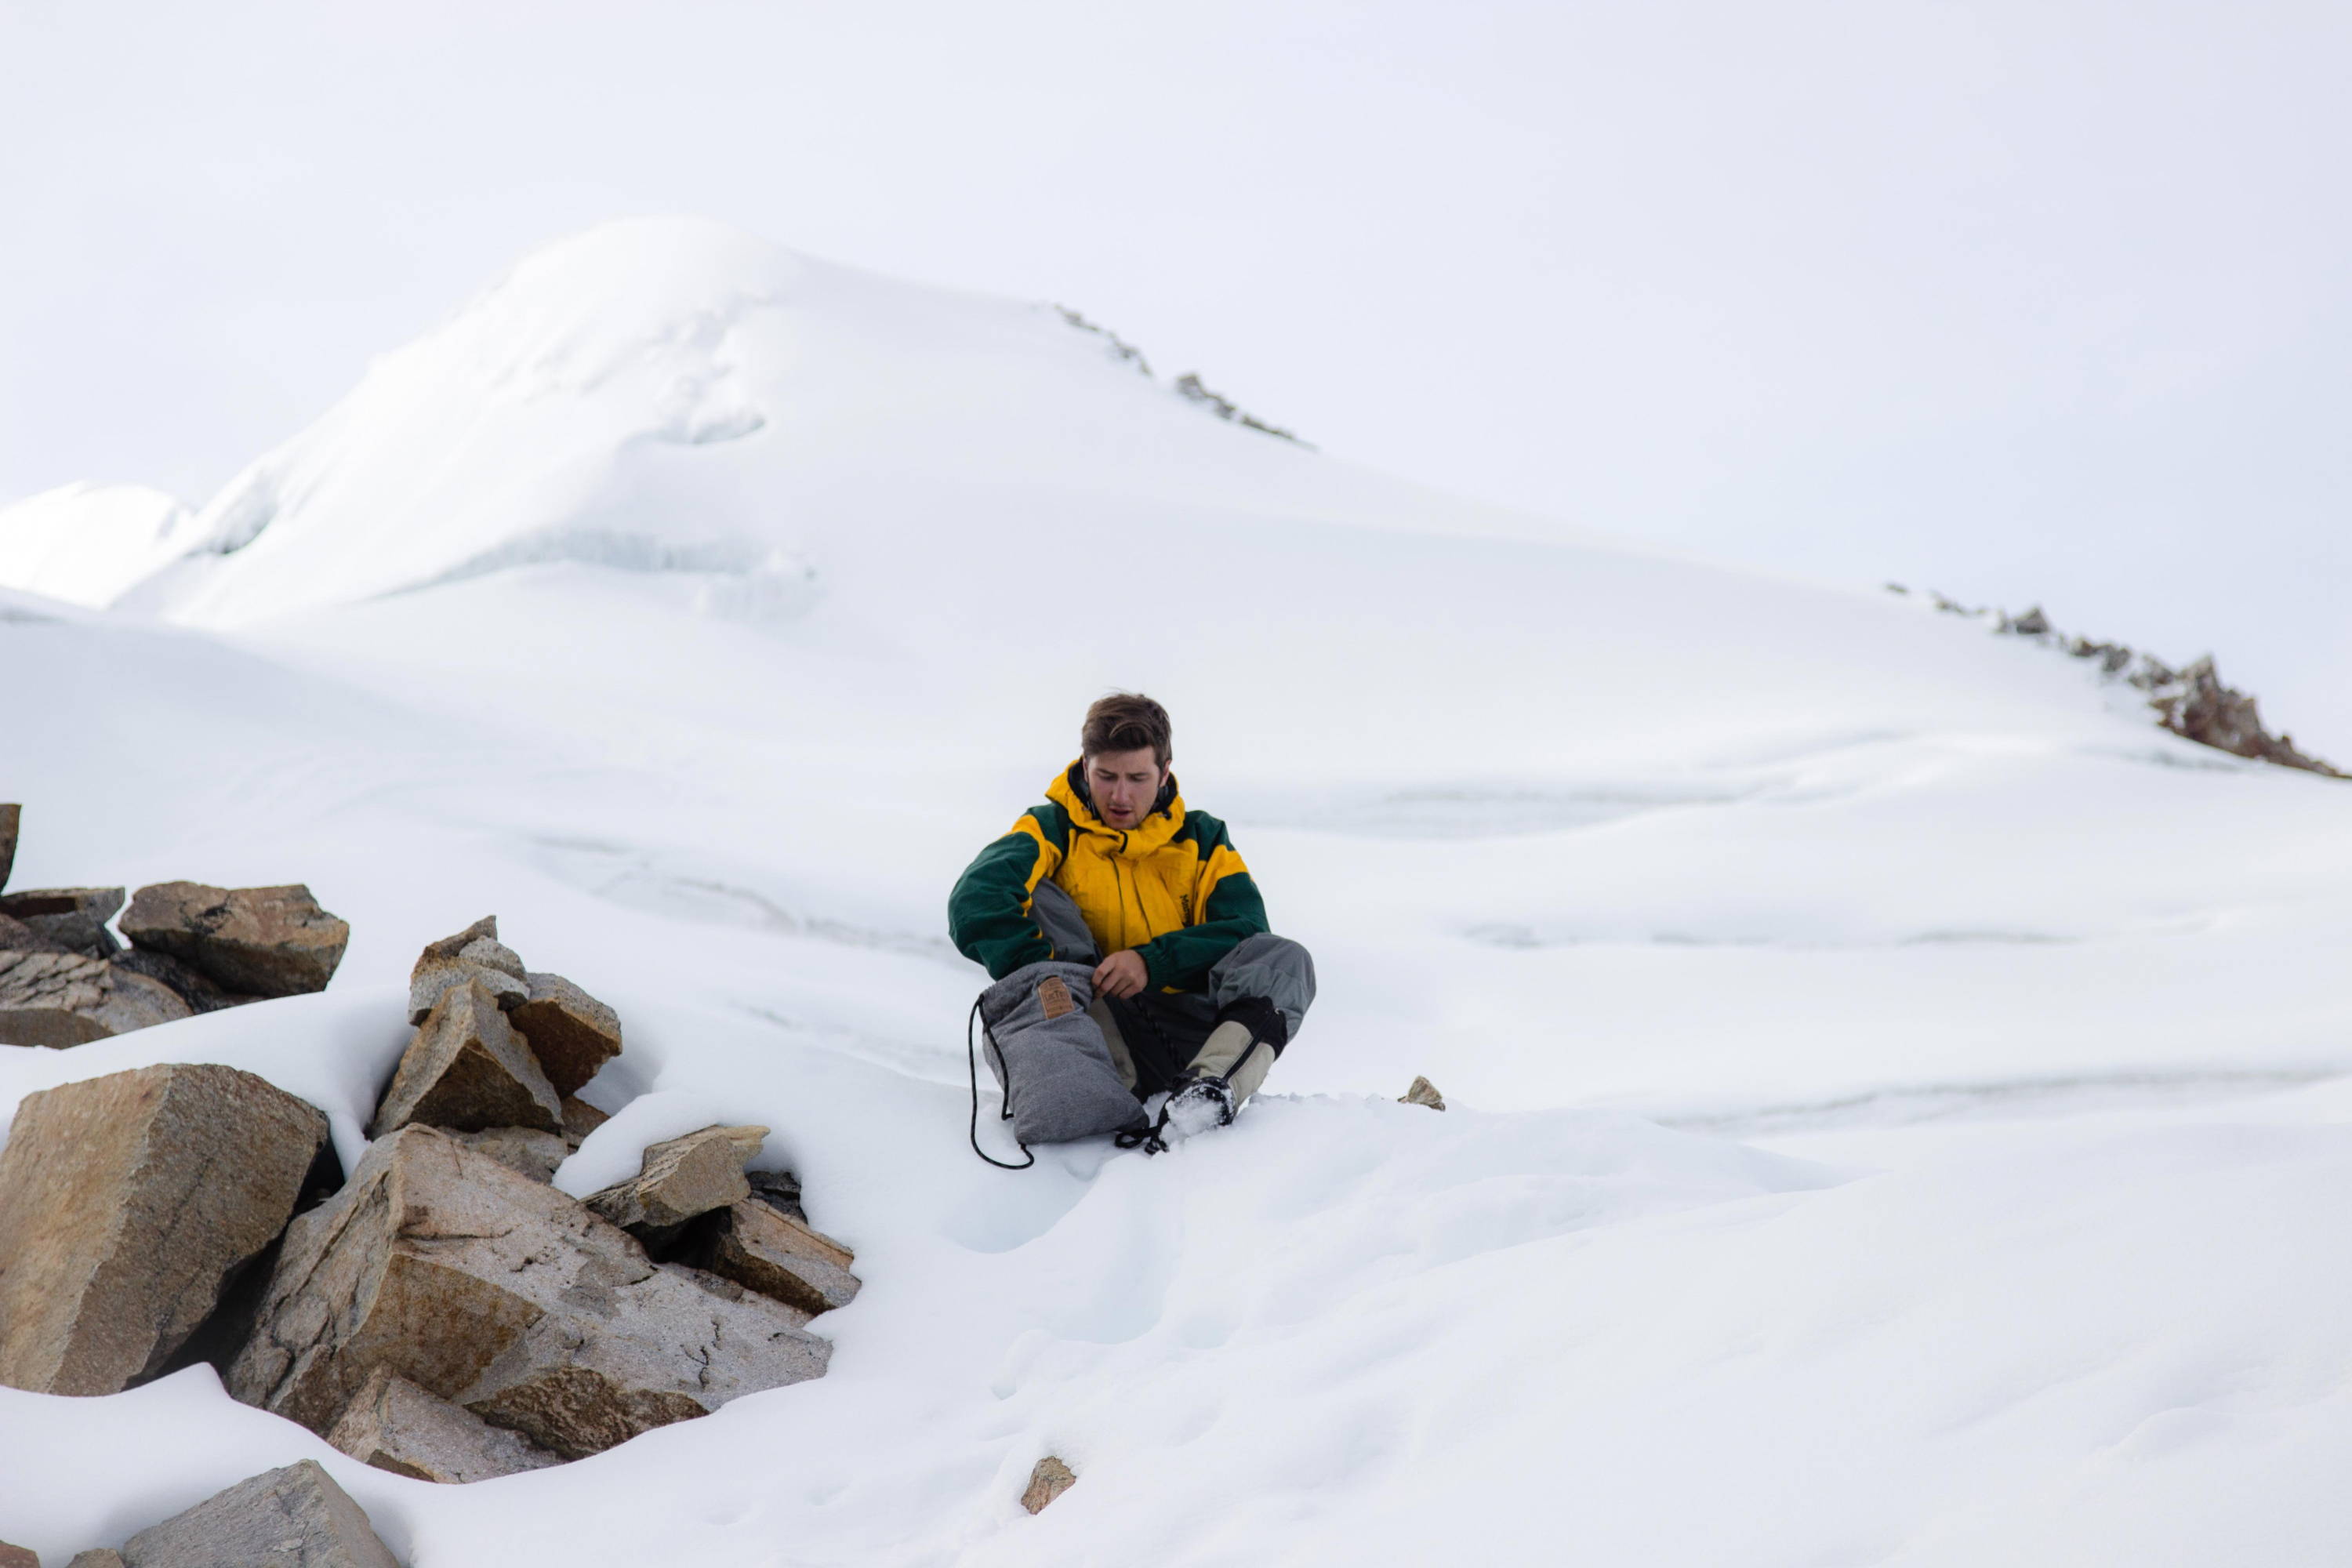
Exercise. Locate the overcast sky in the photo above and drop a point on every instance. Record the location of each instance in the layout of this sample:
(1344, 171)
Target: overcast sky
(2030, 302)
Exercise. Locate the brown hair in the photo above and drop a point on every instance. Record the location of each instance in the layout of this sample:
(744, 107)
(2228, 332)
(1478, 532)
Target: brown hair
(1126, 721)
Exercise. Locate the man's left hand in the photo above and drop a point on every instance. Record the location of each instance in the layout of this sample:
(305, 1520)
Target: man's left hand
(1121, 974)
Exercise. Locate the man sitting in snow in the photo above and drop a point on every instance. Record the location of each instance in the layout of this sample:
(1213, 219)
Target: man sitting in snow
(1192, 996)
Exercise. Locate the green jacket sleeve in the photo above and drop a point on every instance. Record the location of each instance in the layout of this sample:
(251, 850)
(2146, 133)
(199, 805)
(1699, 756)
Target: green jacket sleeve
(1232, 911)
(988, 912)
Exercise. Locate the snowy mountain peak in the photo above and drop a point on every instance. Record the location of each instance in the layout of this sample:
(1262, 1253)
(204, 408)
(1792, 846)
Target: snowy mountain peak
(672, 395)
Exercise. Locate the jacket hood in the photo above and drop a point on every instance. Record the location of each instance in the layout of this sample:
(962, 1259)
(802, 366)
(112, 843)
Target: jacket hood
(1069, 792)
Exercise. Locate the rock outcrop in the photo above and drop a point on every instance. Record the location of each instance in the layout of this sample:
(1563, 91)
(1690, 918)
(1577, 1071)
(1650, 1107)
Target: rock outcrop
(259, 941)
(476, 954)
(64, 999)
(467, 1069)
(126, 1203)
(17, 1556)
(2191, 702)
(570, 1032)
(11, 819)
(73, 918)
(449, 1314)
(395, 1426)
(194, 949)
(680, 1179)
(293, 1518)
(501, 1294)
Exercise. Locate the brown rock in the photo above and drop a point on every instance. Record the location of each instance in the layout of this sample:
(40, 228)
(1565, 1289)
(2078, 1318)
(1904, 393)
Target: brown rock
(780, 1190)
(15, 936)
(1423, 1092)
(98, 1557)
(679, 1179)
(570, 1031)
(579, 1384)
(73, 918)
(528, 1149)
(11, 818)
(499, 1293)
(61, 999)
(467, 1069)
(475, 954)
(395, 1426)
(126, 1203)
(293, 1518)
(761, 1249)
(1049, 1480)
(17, 1556)
(264, 941)
(579, 1119)
(190, 985)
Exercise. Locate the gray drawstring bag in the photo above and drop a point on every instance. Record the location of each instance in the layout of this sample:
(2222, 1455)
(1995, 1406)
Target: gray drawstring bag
(1050, 1060)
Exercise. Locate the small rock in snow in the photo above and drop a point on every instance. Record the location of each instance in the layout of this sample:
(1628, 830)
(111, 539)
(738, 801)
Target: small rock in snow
(1423, 1092)
(1049, 1480)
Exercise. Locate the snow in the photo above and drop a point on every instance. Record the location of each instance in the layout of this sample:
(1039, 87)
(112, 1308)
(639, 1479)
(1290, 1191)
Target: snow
(1898, 1094)
(86, 544)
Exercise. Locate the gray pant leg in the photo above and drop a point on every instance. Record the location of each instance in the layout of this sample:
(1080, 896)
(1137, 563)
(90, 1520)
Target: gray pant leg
(1272, 967)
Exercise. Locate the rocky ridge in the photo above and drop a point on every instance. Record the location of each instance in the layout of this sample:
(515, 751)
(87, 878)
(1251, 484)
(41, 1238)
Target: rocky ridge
(2193, 701)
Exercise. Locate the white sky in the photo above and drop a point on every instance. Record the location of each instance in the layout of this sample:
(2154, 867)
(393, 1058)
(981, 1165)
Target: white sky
(2030, 301)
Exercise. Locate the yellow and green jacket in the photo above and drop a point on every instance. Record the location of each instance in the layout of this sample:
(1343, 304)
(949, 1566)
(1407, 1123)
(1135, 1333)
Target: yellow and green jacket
(1173, 889)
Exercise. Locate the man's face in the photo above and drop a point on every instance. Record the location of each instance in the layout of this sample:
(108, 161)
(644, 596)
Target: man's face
(1124, 785)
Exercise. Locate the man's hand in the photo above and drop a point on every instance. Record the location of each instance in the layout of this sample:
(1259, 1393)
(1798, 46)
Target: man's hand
(1121, 974)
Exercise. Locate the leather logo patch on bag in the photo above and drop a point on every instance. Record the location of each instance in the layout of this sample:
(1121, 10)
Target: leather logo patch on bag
(1055, 997)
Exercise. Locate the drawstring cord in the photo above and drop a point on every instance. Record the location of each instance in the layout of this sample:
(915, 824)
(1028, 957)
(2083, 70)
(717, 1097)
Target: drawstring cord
(972, 1066)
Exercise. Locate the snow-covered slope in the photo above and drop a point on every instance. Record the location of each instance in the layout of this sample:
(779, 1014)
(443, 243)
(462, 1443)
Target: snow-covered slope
(88, 543)
(700, 609)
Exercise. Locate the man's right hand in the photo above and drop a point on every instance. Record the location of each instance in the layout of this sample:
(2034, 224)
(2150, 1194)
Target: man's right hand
(1121, 974)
